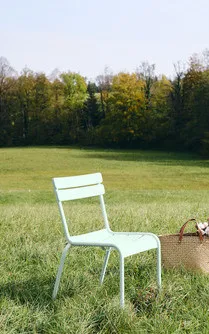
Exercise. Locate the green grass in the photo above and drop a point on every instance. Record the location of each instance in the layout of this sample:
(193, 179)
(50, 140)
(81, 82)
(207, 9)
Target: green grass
(145, 191)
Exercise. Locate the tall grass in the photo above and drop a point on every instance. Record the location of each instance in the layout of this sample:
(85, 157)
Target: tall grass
(145, 191)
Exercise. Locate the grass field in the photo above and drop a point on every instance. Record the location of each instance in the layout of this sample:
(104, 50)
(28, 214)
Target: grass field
(145, 191)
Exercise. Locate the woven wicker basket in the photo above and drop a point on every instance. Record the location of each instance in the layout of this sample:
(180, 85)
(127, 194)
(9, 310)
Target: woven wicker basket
(188, 250)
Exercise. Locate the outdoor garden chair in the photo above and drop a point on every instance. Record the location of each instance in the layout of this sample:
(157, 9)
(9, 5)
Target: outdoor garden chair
(126, 243)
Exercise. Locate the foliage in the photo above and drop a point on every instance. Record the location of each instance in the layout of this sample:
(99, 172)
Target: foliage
(124, 121)
(129, 110)
(75, 94)
(160, 108)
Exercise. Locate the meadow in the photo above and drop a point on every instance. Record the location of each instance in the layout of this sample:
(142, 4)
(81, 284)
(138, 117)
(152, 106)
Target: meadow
(145, 191)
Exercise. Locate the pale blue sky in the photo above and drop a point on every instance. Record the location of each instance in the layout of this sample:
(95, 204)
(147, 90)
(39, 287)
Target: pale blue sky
(87, 35)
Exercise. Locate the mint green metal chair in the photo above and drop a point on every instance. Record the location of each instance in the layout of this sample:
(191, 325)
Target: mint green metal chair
(126, 243)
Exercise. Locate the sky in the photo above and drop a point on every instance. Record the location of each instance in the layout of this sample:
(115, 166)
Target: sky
(85, 36)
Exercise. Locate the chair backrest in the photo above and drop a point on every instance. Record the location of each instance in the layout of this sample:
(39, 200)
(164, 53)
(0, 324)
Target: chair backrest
(77, 187)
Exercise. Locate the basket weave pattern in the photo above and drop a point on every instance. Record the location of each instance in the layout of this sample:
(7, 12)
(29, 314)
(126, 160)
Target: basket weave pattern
(190, 253)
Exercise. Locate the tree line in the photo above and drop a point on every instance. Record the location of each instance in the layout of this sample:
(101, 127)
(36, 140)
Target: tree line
(130, 110)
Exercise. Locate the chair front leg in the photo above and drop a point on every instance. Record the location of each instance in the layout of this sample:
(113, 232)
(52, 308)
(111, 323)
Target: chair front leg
(59, 272)
(107, 255)
(121, 281)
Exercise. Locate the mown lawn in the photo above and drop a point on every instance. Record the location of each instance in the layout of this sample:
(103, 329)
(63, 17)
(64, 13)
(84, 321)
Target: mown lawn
(145, 191)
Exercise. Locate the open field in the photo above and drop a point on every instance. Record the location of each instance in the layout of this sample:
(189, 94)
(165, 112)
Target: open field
(145, 191)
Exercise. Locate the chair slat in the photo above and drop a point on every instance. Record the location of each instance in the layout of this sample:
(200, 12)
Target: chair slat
(77, 181)
(83, 192)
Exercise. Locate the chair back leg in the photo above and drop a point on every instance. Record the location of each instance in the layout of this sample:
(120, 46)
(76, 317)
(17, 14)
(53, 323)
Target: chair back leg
(59, 272)
(107, 255)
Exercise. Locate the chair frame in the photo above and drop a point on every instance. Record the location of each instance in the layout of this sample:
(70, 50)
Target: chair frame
(78, 183)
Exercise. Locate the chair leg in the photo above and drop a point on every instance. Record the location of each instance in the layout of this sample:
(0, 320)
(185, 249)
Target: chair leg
(107, 255)
(159, 267)
(59, 272)
(121, 281)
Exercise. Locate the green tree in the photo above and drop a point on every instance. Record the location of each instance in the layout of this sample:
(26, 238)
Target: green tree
(146, 73)
(91, 114)
(26, 103)
(57, 96)
(197, 126)
(191, 85)
(7, 82)
(161, 109)
(176, 115)
(104, 83)
(42, 115)
(75, 94)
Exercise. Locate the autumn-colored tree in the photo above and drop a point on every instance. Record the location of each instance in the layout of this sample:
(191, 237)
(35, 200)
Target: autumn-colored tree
(124, 123)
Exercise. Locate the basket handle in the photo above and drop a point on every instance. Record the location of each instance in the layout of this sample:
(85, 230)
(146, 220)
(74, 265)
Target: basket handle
(183, 227)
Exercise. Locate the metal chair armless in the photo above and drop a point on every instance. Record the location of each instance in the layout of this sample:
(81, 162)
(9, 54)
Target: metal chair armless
(126, 243)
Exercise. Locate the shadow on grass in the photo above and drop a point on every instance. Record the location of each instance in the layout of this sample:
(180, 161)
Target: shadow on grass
(157, 157)
(34, 291)
(171, 158)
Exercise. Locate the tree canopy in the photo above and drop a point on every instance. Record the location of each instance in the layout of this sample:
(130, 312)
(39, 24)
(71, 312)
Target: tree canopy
(137, 109)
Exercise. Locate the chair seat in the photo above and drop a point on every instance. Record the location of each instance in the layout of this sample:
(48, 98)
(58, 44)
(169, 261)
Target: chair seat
(127, 243)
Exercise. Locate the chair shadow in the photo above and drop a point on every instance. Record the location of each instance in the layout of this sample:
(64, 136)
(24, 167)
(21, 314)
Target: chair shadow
(34, 291)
